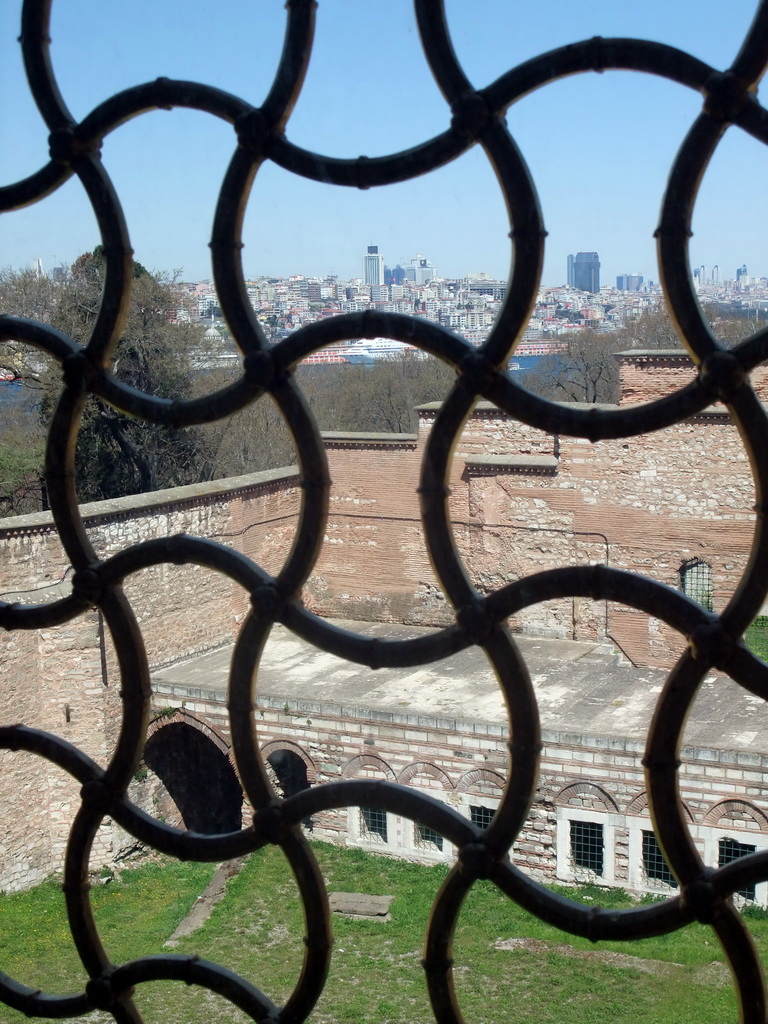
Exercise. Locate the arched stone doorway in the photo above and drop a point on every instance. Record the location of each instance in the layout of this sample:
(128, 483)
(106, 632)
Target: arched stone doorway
(192, 763)
(290, 770)
(293, 771)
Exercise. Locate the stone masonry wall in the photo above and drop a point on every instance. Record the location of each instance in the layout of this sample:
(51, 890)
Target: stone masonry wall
(65, 679)
(523, 501)
(464, 764)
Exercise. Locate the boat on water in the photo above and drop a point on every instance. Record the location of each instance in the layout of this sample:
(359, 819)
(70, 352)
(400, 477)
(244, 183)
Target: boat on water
(359, 350)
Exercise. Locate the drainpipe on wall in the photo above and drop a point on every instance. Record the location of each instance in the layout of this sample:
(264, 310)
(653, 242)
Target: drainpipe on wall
(574, 606)
(103, 650)
(531, 529)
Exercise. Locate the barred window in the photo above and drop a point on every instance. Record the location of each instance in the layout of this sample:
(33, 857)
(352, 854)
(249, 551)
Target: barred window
(587, 848)
(373, 824)
(732, 849)
(696, 582)
(427, 838)
(481, 816)
(654, 861)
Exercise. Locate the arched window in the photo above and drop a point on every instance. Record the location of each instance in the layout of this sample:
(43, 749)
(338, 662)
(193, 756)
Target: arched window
(696, 582)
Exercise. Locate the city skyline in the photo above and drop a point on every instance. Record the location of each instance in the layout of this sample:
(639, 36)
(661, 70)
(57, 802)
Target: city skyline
(420, 270)
(599, 146)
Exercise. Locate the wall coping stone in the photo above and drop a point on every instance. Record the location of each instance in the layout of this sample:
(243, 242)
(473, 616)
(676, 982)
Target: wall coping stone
(513, 463)
(301, 708)
(364, 439)
(169, 496)
(663, 354)
(489, 407)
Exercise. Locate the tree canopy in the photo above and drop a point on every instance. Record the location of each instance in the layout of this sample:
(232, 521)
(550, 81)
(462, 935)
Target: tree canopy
(119, 455)
(116, 454)
(586, 370)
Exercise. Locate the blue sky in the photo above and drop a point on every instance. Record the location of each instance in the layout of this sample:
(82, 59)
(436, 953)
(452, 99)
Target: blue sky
(599, 146)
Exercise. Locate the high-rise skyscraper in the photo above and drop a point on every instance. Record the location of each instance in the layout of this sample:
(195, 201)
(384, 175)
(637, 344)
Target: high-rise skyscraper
(586, 271)
(373, 266)
(395, 275)
(420, 271)
(571, 279)
(629, 282)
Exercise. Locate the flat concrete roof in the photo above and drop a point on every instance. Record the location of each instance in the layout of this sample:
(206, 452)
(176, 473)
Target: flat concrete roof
(582, 689)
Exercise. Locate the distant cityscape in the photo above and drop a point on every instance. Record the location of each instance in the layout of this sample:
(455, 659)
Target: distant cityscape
(468, 305)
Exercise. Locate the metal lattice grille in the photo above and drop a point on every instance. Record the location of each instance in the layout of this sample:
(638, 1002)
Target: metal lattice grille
(474, 118)
(373, 824)
(587, 846)
(696, 579)
(729, 850)
(427, 838)
(656, 867)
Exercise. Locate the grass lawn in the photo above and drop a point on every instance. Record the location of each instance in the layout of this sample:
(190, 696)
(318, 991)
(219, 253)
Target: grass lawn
(376, 973)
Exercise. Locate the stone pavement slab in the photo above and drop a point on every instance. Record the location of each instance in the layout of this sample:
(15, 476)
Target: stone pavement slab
(581, 688)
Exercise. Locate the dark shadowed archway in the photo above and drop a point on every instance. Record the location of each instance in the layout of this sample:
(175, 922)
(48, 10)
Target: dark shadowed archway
(291, 772)
(198, 775)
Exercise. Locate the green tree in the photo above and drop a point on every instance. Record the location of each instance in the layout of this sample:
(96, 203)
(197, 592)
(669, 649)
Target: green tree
(248, 441)
(378, 397)
(27, 294)
(653, 330)
(22, 445)
(116, 454)
(585, 372)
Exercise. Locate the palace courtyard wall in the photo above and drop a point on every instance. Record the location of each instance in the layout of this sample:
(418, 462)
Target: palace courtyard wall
(521, 501)
(65, 679)
(524, 501)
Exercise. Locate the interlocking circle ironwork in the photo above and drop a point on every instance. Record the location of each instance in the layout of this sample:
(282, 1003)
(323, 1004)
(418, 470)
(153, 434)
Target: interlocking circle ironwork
(475, 118)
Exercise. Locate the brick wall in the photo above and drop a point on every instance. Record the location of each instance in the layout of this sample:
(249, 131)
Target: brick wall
(645, 375)
(464, 763)
(523, 501)
(65, 679)
(374, 565)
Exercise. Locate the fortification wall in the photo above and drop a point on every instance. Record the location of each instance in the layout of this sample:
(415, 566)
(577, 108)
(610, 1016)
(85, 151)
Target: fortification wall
(65, 679)
(523, 501)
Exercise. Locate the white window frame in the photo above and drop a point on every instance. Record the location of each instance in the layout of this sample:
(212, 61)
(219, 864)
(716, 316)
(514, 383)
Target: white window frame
(712, 836)
(638, 880)
(565, 869)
